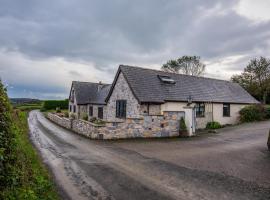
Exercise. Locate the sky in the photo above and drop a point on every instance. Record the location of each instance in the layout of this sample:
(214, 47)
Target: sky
(45, 45)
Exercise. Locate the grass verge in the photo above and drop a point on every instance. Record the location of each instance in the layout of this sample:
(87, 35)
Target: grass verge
(32, 180)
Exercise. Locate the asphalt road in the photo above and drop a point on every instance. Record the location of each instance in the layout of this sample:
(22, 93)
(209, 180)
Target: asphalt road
(233, 164)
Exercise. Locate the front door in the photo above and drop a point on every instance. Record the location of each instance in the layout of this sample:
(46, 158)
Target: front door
(100, 112)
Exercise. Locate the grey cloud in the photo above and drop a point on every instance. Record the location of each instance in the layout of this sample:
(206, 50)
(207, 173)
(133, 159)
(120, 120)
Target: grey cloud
(107, 33)
(74, 73)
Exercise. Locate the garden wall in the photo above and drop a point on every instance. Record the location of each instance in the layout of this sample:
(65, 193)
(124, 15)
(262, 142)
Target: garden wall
(166, 125)
(62, 121)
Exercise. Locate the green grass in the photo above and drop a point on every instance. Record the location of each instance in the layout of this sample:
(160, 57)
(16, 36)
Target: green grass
(28, 106)
(32, 178)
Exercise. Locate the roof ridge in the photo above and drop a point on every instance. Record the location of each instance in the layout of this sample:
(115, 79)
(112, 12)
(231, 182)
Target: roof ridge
(143, 68)
(90, 82)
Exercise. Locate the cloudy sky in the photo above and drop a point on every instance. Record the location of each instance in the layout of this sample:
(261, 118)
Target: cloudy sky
(44, 45)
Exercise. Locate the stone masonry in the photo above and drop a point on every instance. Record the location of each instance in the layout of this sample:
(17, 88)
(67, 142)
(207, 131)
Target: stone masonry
(122, 91)
(166, 125)
(62, 121)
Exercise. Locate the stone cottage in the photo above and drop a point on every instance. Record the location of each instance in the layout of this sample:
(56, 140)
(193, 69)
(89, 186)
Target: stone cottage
(88, 99)
(150, 103)
(139, 92)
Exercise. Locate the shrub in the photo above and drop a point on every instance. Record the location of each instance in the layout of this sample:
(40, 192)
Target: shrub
(72, 116)
(268, 141)
(267, 114)
(53, 104)
(93, 119)
(252, 113)
(183, 126)
(213, 125)
(58, 110)
(66, 114)
(85, 117)
(96, 121)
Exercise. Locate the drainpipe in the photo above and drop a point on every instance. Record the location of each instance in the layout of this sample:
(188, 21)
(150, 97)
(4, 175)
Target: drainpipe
(212, 111)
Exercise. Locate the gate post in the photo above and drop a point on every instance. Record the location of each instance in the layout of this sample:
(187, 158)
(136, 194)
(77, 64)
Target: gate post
(190, 120)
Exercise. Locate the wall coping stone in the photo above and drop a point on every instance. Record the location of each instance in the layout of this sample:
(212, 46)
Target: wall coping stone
(93, 124)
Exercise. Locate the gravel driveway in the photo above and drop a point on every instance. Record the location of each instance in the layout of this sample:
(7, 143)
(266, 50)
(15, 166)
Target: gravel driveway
(233, 164)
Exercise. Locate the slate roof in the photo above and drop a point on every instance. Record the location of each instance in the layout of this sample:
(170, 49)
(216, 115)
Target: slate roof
(87, 92)
(147, 87)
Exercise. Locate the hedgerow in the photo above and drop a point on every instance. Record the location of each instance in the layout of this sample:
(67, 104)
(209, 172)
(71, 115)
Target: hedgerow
(22, 175)
(53, 104)
(7, 142)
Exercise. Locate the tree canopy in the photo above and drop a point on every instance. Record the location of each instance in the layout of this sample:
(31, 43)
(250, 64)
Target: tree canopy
(256, 79)
(190, 65)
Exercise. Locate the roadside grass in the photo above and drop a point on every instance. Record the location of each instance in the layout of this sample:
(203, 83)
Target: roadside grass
(32, 180)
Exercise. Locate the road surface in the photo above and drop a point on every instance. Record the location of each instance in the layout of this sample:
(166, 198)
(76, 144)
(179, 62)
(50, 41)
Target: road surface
(233, 164)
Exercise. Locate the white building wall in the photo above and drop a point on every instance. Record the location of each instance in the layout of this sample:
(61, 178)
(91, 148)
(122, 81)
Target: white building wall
(173, 106)
(217, 114)
(74, 103)
(233, 119)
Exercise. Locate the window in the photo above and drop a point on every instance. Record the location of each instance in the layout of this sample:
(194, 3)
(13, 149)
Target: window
(72, 96)
(121, 108)
(166, 79)
(70, 108)
(74, 108)
(226, 110)
(200, 109)
(91, 111)
(100, 112)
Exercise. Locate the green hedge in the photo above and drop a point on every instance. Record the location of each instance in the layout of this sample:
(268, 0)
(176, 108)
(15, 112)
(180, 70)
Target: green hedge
(7, 142)
(254, 113)
(53, 104)
(22, 174)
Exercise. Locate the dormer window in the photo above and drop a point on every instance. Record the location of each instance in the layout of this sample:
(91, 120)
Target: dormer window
(166, 79)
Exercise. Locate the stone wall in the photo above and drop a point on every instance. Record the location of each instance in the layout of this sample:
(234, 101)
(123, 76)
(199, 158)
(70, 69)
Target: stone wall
(62, 121)
(148, 126)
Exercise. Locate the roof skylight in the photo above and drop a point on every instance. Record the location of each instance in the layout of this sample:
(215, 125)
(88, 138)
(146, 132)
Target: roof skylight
(166, 79)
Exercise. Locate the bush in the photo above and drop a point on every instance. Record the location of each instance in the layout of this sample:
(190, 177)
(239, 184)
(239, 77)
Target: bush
(66, 114)
(58, 110)
(183, 126)
(93, 119)
(267, 110)
(213, 125)
(253, 113)
(53, 104)
(268, 141)
(85, 117)
(96, 121)
(72, 116)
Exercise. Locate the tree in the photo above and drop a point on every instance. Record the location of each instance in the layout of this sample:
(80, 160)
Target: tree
(256, 79)
(190, 65)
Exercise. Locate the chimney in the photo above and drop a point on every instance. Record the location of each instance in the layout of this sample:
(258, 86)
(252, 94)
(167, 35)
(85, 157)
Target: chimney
(99, 86)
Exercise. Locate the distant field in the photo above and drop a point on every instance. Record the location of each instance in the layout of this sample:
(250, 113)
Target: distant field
(28, 106)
